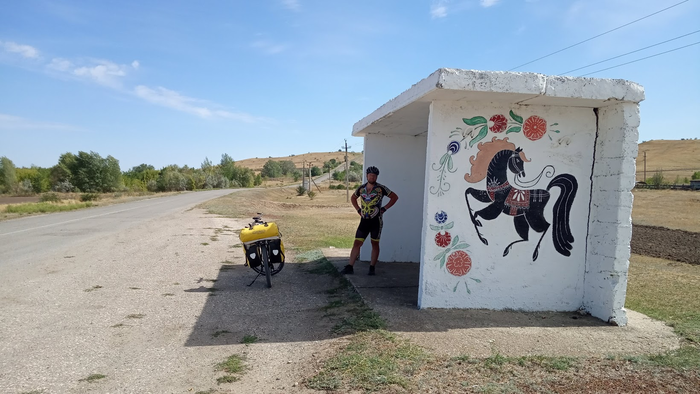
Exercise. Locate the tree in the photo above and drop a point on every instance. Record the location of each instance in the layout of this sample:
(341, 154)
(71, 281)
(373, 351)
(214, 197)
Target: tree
(696, 175)
(227, 166)
(287, 167)
(94, 174)
(271, 169)
(8, 175)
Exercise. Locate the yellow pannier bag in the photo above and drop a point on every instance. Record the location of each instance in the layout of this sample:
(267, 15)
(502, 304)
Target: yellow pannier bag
(258, 232)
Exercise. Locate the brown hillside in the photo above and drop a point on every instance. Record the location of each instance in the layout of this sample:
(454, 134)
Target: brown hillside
(674, 158)
(316, 159)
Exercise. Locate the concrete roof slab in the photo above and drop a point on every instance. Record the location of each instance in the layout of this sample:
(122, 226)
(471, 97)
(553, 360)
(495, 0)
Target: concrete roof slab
(408, 112)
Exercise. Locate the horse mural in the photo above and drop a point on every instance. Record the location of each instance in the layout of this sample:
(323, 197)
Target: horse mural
(493, 161)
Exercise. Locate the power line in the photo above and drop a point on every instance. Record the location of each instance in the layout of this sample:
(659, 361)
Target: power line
(629, 53)
(634, 61)
(601, 34)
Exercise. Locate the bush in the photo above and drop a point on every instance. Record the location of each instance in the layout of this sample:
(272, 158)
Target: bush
(696, 175)
(311, 194)
(50, 197)
(301, 190)
(657, 179)
(64, 187)
(89, 197)
(25, 188)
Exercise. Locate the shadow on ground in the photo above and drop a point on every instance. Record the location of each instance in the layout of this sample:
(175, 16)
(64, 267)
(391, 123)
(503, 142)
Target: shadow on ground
(290, 311)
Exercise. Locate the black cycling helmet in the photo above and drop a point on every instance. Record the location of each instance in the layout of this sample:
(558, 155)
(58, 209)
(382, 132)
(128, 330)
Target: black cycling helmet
(372, 170)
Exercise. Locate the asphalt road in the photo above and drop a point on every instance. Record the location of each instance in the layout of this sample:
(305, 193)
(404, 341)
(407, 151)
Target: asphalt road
(33, 238)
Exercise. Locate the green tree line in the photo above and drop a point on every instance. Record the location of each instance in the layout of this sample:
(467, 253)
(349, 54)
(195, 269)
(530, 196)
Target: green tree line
(92, 173)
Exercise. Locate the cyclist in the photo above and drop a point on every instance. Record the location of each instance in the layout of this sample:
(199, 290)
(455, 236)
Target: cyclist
(371, 211)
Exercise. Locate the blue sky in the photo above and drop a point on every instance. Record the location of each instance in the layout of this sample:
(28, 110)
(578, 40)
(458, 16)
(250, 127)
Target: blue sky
(174, 82)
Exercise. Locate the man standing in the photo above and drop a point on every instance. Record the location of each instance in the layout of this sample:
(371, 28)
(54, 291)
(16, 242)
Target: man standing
(371, 210)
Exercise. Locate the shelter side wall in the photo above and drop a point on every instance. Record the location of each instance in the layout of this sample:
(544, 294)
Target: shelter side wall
(511, 256)
(610, 223)
(401, 162)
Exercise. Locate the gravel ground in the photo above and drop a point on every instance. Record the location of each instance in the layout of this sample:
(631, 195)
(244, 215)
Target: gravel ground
(139, 309)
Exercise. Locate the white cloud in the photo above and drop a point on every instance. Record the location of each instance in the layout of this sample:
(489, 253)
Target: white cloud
(268, 47)
(60, 64)
(135, 64)
(172, 99)
(104, 73)
(24, 50)
(15, 123)
(291, 4)
(488, 3)
(438, 9)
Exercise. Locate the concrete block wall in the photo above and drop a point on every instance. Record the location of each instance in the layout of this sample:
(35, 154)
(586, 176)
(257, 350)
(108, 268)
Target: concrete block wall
(401, 162)
(610, 222)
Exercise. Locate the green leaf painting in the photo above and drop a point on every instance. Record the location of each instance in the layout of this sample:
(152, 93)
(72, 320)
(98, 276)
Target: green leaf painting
(514, 129)
(477, 120)
(515, 117)
(482, 133)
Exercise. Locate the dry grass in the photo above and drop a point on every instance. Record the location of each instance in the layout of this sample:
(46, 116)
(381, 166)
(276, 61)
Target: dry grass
(316, 159)
(668, 291)
(669, 156)
(674, 209)
(327, 220)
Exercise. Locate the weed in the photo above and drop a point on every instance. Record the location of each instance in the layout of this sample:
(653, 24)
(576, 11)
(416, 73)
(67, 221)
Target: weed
(93, 288)
(687, 357)
(248, 339)
(227, 379)
(220, 333)
(44, 207)
(168, 294)
(495, 361)
(210, 391)
(233, 365)
(135, 288)
(373, 360)
(93, 378)
(214, 238)
(89, 197)
(135, 316)
(119, 325)
(364, 319)
(205, 243)
(50, 197)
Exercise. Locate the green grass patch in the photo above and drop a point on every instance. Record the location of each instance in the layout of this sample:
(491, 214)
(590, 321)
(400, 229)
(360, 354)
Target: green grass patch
(362, 318)
(248, 339)
(44, 207)
(93, 378)
(372, 361)
(344, 242)
(233, 366)
(667, 291)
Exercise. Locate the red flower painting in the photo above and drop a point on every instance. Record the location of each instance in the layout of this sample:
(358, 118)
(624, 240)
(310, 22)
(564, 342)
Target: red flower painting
(534, 127)
(443, 239)
(459, 263)
(499, 123)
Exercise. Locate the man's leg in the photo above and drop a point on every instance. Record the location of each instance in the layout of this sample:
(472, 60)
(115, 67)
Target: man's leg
(375, 253)
(355, 251)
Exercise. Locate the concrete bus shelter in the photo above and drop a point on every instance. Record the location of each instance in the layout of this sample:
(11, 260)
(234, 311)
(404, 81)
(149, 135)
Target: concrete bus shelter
(515, 189)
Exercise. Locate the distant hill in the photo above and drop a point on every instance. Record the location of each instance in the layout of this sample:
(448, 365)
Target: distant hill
(672, 157)
(315, 158)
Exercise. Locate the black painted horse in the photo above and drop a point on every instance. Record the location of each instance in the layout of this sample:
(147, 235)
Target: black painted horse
(525, 205)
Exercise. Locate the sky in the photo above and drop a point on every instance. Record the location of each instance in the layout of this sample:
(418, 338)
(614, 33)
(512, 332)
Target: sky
(175, 82)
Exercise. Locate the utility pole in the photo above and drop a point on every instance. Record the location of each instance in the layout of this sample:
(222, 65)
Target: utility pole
(347, 183)
(645, 167)
(303, 174)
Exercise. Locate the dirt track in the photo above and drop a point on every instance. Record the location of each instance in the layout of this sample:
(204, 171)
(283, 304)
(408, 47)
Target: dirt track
(661, 242)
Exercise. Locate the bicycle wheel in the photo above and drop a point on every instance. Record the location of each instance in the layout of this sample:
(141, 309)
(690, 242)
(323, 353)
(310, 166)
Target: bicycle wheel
(265, 255)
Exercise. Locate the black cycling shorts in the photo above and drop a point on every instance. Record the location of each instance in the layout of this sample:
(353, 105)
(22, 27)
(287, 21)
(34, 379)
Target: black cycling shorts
(371, 227)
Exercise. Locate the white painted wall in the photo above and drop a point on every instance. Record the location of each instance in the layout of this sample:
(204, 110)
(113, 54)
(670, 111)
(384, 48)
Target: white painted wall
(553, 281)
(401, 162)
(611, 222)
